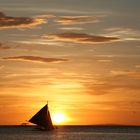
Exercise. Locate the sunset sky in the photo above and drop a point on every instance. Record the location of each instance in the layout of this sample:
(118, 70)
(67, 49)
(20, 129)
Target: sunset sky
(83, 56)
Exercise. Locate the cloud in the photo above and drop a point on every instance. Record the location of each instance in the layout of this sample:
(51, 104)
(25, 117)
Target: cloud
(104, 60)
(116, 105)
(132, 74)
(124, 33)
(4, 47)
(20, 22)
(1, 67)
(35, 59)
(69, 20)
(137, 66)
(80, 38)
(71, 28)
(116, 83)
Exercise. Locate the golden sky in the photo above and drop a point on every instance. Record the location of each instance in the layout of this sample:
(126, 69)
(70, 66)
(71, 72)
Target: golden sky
(83, 56)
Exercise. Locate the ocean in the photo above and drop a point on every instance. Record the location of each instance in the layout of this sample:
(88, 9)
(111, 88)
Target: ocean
(71, 133)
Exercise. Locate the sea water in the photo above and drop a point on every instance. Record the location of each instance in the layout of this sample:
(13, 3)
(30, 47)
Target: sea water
(70, 133)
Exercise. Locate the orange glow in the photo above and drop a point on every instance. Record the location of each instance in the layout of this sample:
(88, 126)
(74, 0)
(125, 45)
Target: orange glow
(59, 118)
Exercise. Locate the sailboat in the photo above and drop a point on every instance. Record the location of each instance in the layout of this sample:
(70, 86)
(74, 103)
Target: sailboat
(43, 119)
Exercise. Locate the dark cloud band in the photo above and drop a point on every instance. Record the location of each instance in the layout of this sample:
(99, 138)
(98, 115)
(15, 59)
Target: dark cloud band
(19, 22)
(80, 38)
(68, 20)
(36, 59)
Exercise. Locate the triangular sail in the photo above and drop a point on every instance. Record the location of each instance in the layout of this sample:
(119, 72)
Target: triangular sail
(43, 118)
(50, 124)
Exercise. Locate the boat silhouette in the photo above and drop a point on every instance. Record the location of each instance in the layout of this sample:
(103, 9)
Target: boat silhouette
(43, 119)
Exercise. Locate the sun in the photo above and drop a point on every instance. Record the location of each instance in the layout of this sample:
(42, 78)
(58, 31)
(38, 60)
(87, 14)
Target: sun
(58, 118)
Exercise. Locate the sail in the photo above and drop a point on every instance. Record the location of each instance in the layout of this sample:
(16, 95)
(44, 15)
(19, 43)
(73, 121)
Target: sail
(50, 124)
(43, 118)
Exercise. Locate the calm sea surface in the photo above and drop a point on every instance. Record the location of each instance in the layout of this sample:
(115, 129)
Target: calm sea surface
(70, 133)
